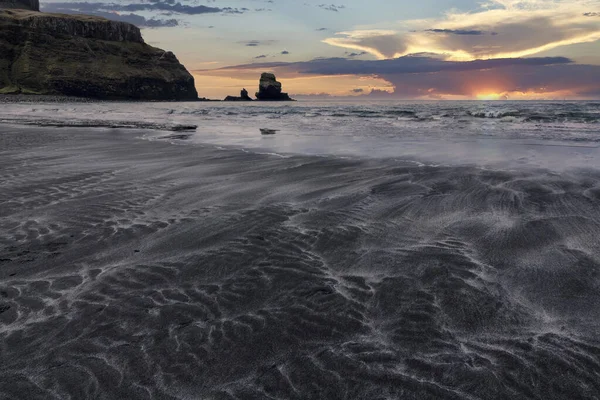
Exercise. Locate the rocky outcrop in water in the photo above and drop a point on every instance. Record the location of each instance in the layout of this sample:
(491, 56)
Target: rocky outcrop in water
(243, 97)
(85, 56)
(270, 89)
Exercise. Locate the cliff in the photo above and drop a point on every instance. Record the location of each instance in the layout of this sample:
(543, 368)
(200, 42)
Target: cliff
(33, 5)
(78, 55)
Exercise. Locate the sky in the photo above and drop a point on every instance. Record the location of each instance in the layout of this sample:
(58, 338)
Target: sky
(402, 49)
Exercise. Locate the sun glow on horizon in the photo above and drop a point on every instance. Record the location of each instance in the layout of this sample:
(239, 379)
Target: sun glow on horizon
(490, 96)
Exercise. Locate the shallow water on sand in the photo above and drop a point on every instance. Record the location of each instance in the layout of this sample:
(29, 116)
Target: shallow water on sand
(555, 135)
(135, 268)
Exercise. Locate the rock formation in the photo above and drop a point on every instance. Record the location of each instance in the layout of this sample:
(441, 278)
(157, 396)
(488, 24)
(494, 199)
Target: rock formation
(32, 5)
(270, 89)
(85, 56)
(243, 97)
(244, 94)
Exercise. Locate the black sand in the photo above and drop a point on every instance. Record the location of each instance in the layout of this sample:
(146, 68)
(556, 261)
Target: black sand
(136, 269)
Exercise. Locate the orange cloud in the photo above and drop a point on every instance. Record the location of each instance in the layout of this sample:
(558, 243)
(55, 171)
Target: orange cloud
(502, 29)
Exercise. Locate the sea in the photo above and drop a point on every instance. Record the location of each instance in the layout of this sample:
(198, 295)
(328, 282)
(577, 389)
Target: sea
(483, 133)
(304, 250)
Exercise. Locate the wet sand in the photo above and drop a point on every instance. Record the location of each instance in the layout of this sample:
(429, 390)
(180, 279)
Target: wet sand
(142, 269)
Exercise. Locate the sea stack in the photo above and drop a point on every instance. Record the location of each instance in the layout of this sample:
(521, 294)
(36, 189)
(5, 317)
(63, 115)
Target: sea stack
(243, 97)
(269, 89)
(84, 56)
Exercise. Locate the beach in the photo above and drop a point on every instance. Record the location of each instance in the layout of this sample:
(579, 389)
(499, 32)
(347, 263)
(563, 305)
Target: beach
(147, 264)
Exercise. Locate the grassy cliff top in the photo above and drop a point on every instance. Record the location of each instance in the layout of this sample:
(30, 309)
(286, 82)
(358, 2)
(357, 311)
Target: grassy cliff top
(33, 5)
(25, 14)
(77, 25)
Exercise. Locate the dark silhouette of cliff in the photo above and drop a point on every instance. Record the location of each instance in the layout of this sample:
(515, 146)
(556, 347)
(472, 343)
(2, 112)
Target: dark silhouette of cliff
(84, 56)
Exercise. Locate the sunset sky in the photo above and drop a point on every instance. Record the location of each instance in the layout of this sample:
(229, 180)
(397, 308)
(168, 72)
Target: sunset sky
(429, 49)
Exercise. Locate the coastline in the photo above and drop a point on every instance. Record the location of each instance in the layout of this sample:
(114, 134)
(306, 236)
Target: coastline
(490, 135)
(33, 98)
(37, 98)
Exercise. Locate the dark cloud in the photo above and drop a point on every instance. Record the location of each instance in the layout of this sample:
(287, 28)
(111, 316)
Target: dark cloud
(321, 29)
(359, 90)
(378, 93)
(362, 53)
(285, 52)
(261, 56)
(457, 31)
(256, 43)
(169, 6)
(331, 7)
(430, 77)
(410, 65)
(139, 20)
(131, 18)
(592, 14)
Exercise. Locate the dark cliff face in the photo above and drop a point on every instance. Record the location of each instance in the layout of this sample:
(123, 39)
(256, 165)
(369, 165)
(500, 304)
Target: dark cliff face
(81, 26)
(32, 5)
(86, 56)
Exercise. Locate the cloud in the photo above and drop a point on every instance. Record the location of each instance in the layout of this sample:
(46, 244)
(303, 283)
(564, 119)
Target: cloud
(256, 43)
(564, 80)
(456, 31)
(261, 56)
(311, 96)
(359, 90)
(285, 52)
(331, 7)
(139, 20)
(127, 12)
(517, 28)
(381, 43)
(591, 14)
(407, 65)
(321, 29)
(426, 77)
(362, 53)
(131, 18)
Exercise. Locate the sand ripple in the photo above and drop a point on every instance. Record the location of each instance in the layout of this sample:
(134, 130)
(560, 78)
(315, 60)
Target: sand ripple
(137, 269)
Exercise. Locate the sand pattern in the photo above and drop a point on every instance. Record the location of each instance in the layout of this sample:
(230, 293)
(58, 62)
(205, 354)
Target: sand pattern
(151, 270)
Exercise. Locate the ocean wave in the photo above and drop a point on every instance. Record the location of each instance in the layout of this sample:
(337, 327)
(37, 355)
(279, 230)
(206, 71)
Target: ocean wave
(100, 124)
(572, 121)
(494, 113)
(193, 112)
(401, 113)
(550, 115)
